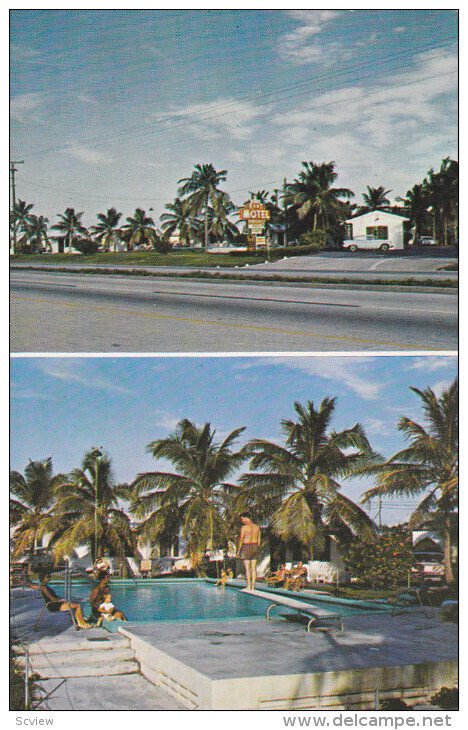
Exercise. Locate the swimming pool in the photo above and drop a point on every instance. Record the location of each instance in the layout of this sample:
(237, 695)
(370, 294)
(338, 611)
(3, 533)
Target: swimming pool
(196, 600)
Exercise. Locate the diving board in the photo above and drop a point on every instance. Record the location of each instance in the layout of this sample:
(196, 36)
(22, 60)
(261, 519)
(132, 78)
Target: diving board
(313, 613)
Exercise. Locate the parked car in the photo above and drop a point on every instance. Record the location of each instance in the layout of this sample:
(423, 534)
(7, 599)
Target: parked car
(423, 241)
(368, 243)
(426, 241)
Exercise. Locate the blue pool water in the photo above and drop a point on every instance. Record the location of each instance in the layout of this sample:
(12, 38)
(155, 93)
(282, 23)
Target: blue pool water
(190, 600)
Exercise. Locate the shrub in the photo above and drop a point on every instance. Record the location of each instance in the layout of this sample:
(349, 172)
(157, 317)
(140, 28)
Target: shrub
(85, 245)
(446, 699)
(449, 614)
(162, 246)
(317, 239)
(380, 560)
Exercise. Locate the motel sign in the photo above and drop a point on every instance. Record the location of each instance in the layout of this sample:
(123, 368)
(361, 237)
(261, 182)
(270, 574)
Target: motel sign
(256, 215)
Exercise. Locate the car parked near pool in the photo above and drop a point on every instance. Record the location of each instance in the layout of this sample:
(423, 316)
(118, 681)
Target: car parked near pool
(368, 243)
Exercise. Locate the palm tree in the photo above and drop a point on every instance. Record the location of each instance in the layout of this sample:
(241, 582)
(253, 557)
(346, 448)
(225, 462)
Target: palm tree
(87, 510)
(447, 197)
(35, 232)
(180, 219)
(218, 221)
(428, 466)
(197, 495)
(312, 195)
(417, 204)
(202, 189)
(70, 226)
(140, 230)
(297, 482)
(107, 230)
(20, 216)
(32, 502)
(375, 199)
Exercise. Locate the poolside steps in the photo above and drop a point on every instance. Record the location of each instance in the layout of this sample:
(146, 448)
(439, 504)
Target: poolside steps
(80, 655)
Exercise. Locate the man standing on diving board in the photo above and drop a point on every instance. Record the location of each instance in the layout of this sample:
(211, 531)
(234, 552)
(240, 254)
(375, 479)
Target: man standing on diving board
(249, 543)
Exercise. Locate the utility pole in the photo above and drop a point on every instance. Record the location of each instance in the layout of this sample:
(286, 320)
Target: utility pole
(14, 169)
(285, 213)
(97, 453)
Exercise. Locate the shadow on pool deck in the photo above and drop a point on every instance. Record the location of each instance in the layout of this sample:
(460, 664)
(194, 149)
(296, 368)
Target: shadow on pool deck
(256, 648)
(207, 664)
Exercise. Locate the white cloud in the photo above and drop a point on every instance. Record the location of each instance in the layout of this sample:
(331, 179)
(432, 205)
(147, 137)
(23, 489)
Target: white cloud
(19, 393)
(303, 45)
(394, 105)
(87, 99)
(167, 420)
(377, 427)
(213, 120)
(431, 363)
(20, 53)
(440, 386)
(22, 105)
(399, 29)
(387, 133)
(88, 155)
(348, 371)
(79, 372)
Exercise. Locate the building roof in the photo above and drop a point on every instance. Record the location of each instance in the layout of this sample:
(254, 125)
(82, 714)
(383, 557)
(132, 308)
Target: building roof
(380, 212)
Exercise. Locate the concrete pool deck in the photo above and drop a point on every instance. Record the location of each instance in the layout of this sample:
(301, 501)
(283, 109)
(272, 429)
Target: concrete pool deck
(252, 664)
(80, 670)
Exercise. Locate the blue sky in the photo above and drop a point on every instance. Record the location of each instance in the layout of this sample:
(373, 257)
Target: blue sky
(61, 407)
(113, 107)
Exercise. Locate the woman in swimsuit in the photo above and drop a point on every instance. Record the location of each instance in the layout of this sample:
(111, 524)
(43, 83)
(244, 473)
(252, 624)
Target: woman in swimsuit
(249, 542)
(55, 604)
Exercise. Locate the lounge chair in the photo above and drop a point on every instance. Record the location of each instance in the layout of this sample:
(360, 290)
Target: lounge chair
(133, 568)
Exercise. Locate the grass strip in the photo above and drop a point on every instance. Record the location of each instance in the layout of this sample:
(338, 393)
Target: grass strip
(217, 275)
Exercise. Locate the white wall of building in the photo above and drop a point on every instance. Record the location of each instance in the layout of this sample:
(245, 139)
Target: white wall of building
(375, 218)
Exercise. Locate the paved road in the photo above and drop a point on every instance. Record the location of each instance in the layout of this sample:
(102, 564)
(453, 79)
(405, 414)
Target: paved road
(363, 262)
(361, 265)
(91, 313)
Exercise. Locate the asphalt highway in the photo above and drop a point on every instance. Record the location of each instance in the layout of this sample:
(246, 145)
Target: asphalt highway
(61, 312)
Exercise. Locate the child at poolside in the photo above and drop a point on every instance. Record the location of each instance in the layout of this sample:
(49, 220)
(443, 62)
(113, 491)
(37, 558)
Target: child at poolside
(108, 611)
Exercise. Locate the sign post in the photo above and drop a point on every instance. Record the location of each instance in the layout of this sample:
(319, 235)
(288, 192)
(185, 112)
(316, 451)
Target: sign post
(256, 215)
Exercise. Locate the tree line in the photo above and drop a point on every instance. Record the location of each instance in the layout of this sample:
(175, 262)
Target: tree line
(293, 489)
(202, 213)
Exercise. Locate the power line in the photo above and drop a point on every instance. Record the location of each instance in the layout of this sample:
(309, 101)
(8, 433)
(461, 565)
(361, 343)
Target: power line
(333, 103)
(176, 119)
(445, 41)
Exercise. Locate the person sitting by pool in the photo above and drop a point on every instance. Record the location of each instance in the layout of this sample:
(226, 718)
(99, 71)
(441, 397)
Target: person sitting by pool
(226, 575)
(100, 565)
(278, 576)
(296, 577)
(55, 604)
(108, 612)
